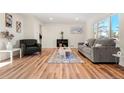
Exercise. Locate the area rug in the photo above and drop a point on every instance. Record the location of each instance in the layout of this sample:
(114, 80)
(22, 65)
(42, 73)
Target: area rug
(55, 58)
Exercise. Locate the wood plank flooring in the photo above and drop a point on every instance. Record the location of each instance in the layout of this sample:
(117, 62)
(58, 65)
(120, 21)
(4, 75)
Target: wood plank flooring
(36, 67)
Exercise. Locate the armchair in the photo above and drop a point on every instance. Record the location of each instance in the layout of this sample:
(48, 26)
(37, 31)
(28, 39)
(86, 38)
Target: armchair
(29, 46)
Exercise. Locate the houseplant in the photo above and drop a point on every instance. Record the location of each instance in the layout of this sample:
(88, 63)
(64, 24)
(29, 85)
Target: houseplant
(9, 37)
(62, 33)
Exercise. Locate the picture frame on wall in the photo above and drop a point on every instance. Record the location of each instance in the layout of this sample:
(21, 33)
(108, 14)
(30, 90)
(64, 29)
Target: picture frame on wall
(18, 26)
(8, 20)
(76, 30)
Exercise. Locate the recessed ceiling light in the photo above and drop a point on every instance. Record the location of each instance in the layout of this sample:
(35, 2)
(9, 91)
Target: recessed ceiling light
(77, 18)
(50, 18)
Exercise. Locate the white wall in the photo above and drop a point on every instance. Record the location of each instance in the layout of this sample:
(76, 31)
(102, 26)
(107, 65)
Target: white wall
(89, 29)
(51, 32)
(122, 31)
(17, 36)
(28, 27)
(122, 37)
(31, 27)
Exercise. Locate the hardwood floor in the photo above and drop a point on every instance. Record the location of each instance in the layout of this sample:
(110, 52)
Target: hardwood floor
(36, 67)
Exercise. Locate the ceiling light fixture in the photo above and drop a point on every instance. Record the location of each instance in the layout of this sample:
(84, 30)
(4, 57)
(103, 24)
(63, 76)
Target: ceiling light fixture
(76, 19)
(50, 18)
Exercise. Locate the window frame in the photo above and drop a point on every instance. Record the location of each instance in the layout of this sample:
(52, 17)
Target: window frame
(110, 26)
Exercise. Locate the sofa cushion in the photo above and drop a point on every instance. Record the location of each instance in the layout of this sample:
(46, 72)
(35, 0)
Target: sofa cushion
(86, 43)
(29, 42)
(98, 45)
(91, 42)
(80, 46)
(87, 50)
(105, 42)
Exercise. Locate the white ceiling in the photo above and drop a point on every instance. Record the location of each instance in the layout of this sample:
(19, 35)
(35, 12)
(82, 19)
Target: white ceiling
(66, 17)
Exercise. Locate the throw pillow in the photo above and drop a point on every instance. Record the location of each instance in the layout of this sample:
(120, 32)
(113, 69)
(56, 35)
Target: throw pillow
(91, 42)
(86, 43)
(98, 45)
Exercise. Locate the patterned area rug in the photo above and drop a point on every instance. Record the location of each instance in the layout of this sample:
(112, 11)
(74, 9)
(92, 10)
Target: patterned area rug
(56, 58)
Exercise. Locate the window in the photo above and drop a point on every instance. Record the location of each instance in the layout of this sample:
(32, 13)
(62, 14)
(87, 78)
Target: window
(103, 28)
(115, 26)
(95, 30)
(107, 28)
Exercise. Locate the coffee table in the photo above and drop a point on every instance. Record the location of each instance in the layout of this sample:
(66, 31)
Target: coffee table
(68, 52)
(64, 55)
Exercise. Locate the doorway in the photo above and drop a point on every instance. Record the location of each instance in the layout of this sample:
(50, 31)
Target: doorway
(40, 35)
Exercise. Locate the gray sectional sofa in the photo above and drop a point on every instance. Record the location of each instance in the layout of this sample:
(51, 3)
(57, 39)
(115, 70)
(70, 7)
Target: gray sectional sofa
(99, 50)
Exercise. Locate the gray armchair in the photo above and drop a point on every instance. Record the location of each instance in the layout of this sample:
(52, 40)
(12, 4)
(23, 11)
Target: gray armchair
(29, 46)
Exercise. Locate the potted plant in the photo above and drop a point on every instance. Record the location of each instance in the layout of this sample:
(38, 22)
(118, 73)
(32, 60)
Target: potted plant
(62, 33)
(9, 37)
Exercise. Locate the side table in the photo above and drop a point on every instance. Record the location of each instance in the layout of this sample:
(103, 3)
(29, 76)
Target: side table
(11, 53)
(117, 56)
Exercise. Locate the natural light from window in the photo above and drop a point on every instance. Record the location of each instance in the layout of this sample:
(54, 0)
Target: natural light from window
(107, 28)
(115, 26)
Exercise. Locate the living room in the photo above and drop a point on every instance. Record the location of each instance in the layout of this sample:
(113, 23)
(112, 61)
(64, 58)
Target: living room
(56, 46)
(46, 29)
